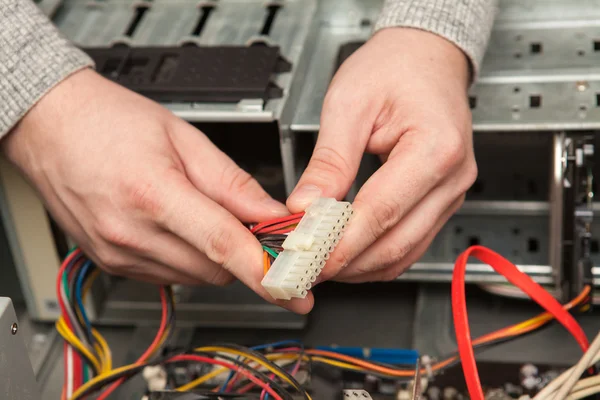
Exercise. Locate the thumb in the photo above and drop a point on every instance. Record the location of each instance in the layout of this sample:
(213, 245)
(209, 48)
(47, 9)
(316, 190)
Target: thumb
(336, 158)
(217, 176)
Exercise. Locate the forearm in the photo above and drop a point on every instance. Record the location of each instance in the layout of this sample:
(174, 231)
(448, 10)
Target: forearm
(34, 57)
(466, 23)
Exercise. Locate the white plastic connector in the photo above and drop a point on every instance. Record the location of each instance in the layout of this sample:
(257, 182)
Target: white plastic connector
(307, 248)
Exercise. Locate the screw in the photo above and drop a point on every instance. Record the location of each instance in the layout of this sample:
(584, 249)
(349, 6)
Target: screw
(14, 328)
(582, 86)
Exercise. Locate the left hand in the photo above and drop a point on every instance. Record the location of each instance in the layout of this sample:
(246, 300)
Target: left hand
(403, 96)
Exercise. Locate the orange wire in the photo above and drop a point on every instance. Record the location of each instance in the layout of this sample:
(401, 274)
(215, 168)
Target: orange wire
(266, 262)
(502, 333)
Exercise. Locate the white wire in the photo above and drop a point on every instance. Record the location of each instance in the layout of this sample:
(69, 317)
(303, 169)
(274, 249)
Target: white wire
(579, 369)
(548, 391)
(69, 362)
(586, 383)
(584, 393)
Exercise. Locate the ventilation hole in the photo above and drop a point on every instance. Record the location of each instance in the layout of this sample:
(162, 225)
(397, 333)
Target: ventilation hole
(137, 18)
(535, 48)
(596, 45)
(477, 187)
(473, 241)
(535, 101)
(583, 108)
(516, 89)
(458, 230)
(515, 109)
(517, 55)
(472, 102)
(516, 231)
(518, 38)
(205, 12)
(533, 245)
(597, 99)
(594, 247)
(272, 11)
(531, 187)
(581, 53)
(365, 23)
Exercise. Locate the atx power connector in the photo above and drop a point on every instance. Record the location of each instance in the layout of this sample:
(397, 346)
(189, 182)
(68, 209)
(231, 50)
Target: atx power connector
(307, 248)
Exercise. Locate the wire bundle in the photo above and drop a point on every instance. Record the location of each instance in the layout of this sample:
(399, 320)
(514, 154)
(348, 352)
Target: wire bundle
(86, 353)
(272, 234)
(522, 281)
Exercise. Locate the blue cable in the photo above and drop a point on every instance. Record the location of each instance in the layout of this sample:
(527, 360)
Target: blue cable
(78, 296)
(262, 347)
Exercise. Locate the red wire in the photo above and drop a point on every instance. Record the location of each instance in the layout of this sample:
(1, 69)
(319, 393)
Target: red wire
(63, 310)
(287, 219)
(517, 278)
(151, 348)
(246, 374)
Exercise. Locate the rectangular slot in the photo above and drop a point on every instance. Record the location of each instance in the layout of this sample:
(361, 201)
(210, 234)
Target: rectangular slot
(597, 99)
(134, 66)
(137, 18)
(535, 48)
(205, 12)
(535, 101)
(533, 245)
(472, 102)
(272, 11)
(596, 45)
(474, 241)
(166, 68)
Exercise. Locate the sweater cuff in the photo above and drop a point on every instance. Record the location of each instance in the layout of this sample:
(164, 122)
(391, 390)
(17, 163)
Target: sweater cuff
(466, 23)
(34, 57)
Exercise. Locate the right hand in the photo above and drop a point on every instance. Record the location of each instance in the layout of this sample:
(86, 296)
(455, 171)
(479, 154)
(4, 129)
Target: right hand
(143, 193)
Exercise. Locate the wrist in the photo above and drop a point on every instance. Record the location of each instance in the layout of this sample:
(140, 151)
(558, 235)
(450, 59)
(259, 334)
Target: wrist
(429, 51)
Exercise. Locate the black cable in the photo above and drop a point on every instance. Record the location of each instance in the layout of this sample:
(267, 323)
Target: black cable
(260, 356)
(263, 377)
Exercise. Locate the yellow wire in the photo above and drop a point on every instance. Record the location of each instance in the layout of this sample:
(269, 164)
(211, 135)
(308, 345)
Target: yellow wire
(66, 333)
(217, 349)
(271, 357)
(82, 389)
(105, 349)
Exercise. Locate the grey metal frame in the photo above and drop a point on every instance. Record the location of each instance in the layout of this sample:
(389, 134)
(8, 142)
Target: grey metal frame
(16, 374)
(539, 48)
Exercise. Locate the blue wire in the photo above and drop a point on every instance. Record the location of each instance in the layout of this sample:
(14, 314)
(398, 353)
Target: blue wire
(262, 347)
(78, 296)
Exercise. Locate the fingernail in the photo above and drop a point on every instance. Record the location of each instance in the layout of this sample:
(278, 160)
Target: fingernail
(275, 207)
(304, 195)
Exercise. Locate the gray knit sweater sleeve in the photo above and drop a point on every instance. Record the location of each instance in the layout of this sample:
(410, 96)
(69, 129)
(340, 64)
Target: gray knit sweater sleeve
(466, 23)
(34, 57)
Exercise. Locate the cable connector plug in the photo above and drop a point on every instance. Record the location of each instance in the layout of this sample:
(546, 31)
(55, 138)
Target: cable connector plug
(307, 248)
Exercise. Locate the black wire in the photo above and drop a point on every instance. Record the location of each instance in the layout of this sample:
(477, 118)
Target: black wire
(263, 377)
(256, 354)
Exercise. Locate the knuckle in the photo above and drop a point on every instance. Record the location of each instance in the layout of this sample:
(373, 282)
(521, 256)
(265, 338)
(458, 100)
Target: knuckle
(144, 196)
(115, 233)
(450, 153)
(381, 215)
(330, 162)
(394, 254)
(218, 245)
(220, 278)
(109, 260)
(237, 180)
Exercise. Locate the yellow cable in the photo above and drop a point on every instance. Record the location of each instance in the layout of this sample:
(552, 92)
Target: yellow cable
(105, 349)
(271, 357)
(66, 333)
(82, 389)
(217, 349)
